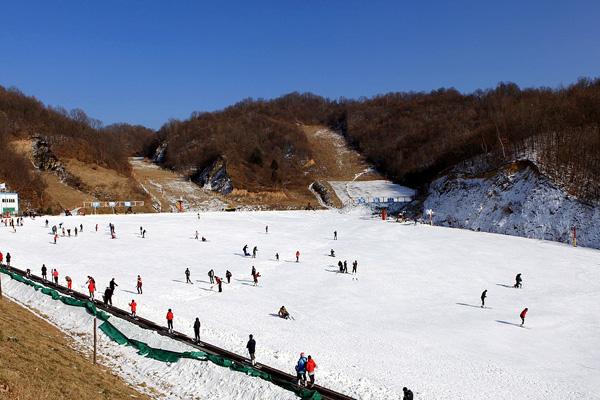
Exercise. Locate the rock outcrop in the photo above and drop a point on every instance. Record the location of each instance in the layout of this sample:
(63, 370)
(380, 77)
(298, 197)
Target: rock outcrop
(215, 177)
(160, 153)
(45, 160)
(514, 199)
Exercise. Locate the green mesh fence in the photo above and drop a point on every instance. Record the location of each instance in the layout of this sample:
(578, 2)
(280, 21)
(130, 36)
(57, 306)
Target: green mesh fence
(159, 354)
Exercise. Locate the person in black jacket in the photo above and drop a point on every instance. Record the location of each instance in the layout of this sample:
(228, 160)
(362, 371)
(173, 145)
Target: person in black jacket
(108, 296)
(228, 276)
(112, 284)
(483, 296)
(187, 276)
(251, 346)
(197, 330)
(408, 394)
(518, 281)
(44, 270)
(211, 276)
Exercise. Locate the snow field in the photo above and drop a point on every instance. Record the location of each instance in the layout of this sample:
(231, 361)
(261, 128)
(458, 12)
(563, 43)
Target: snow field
(411, 319)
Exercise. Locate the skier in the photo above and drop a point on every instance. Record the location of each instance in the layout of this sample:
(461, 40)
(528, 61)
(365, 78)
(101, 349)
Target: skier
(283, 313)
(267, 229)
(256, 276)
(144, 234)
(139, 284)
(310, 368)
(69, 282)
(96, 227)
(80, 228)
(141, 230)
(211, 276)
(522, 315)
(107, 296)
(331, 253)
(276, 256)
(55, 238)
(254, 251)
(112, 284)
(483, 296)
(518, 281)
(253, 271)
(197, 330)
(354, 266)
(75, 231)
(91, 287)
(187, 276)
(301, 370)
(44, 277)
(55, 276)
(251, 346)
(133, 306)
(408, 394)
(228, 276)
(245, 250)
(196, 235)
(334, 235)
(170, 321)
(219, 283)
(297, 255)
(8, 257)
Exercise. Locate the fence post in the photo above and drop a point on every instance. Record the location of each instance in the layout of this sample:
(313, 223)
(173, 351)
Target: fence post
(95, 339)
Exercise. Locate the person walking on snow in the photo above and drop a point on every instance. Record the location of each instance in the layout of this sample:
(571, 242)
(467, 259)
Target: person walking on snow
(345, 266)
(55, 276)
(334, 235)
(522, 315)
(196, 235)
(187, 276)
(44, 276)
(310, 368)
(91, 287)
(251, 346)
(197, 330)
(108, 296)
(483, 296)
(297, 255)
(518, 281)
(143, 234)
(267, 229)
(69, 282)
(354, 266)
(55, 238)
(276, 256)
(139, 284)
(8, 257)
(254, 251)
(245, 250)
(112, 284)
(301, 370)
(211, 276)
(170, 321)
(133, 306)
(228, 276)
(219, 283)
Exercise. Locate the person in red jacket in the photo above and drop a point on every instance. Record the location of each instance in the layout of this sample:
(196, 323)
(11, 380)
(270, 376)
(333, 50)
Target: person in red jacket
(69, 282)
(133, 306)
(1, 257)
(55, 276)
(310, 369)
(523, 314)
(139, 284)
(170, 321)
(297, 255)
(91, 287)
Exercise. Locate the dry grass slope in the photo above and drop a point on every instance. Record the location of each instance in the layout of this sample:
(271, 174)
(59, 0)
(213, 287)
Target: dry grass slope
(37, 363)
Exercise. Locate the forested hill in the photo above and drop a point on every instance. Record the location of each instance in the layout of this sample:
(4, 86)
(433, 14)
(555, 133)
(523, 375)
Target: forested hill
(410, 137)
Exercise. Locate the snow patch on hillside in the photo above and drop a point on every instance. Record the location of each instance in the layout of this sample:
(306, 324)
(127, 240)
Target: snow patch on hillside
(514, 200)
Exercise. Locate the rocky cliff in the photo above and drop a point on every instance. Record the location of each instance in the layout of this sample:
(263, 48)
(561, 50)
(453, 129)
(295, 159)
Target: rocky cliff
(215, 177)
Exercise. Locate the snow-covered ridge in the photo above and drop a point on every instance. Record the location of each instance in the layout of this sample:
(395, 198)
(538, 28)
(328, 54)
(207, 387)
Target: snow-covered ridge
(515, 199)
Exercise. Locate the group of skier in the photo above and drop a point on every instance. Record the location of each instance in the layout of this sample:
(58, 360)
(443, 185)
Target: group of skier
(518, 285)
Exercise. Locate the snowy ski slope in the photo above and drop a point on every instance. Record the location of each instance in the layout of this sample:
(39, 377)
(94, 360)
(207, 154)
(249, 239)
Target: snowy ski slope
(412, 318)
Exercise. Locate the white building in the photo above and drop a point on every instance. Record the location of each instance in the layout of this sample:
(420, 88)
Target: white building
(9, 203)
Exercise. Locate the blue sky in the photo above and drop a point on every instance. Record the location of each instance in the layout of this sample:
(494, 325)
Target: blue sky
(145, 62)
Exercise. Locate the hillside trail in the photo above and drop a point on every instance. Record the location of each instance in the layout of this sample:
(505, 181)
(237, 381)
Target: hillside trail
(334, 160)
(166, 187)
